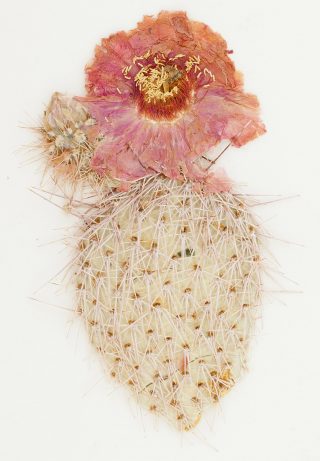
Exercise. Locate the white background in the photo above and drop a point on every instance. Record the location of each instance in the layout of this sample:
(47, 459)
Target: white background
(55, 402)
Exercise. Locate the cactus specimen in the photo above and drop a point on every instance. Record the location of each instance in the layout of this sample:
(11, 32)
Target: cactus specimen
(168, 268)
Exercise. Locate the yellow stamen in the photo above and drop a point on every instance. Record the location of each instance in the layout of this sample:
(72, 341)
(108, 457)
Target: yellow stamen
(126, 70)
(140, 58)
(156, 83)
(192, 61)
(177, 56)
(207, 71)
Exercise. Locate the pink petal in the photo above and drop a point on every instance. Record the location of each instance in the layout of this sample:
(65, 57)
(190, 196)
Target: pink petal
(118, 161)
(104, 74)
(227, 114)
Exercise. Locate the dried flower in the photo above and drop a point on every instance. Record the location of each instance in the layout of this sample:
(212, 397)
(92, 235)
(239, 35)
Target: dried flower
(163, 94)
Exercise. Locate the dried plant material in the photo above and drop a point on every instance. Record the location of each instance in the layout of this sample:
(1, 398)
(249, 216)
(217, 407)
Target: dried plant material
(163, 95)
(168, 265)
(69, 136)
(169, 288)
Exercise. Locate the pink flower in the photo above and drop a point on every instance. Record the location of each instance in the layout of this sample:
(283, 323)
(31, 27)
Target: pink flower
(163, 94)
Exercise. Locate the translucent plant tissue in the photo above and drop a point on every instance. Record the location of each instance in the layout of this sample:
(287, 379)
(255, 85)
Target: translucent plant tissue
(168, 266)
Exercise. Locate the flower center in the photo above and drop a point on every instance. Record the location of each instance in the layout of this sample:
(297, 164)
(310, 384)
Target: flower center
(163, 88)
(159, 83)
(163, 84)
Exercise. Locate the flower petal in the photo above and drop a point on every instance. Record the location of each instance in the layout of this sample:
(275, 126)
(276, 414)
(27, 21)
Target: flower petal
(104, 74)
(227, 114)
(117, 160)
(114, 114)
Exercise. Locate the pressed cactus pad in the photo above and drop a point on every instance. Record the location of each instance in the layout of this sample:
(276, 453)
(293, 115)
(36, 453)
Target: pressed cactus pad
(169, 284)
